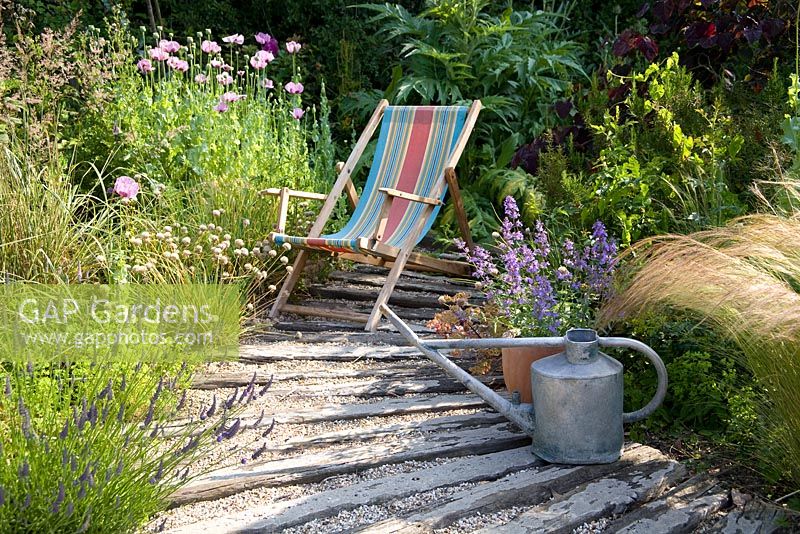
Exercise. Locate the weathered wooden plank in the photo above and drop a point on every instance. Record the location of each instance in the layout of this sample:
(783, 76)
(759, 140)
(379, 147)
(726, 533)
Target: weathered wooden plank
(397, 298)
(384, 408)
(326, 352)
(338, 326)
(678, 511)
(441, 286)
(757, 517)
(284, 514)
(232, 379)
(437, 424)
(336, 336)
(418, 315)
(314, 467)
(610, 495)
(345, 412)
(517, 489)
(432, 278)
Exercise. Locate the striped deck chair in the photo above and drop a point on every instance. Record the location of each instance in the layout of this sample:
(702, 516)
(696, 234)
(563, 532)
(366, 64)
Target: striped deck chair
(418, 148)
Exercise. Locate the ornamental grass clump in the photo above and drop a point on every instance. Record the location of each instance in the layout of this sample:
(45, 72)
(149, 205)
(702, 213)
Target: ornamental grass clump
(536, 289)
(743, 278)
(83, 444)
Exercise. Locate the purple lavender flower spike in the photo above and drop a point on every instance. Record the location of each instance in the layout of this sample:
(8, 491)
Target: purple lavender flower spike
(181, 402)
(2, 496)
(258, 452)
(258, 421)
(24, 470)
(69, 509)
(263, 390)
(213, 408)
(64, 431)
(268, 431)
(64, 457)
(8, 387)
(82, 491)
(229, 402)
(120, 466)
(92, 414)
(59, 498)
(86, 522)
(121, 413)
(27, 502)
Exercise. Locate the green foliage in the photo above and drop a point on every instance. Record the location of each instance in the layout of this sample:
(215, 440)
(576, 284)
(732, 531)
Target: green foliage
(664, 159)
(516, 62)
(709, 391)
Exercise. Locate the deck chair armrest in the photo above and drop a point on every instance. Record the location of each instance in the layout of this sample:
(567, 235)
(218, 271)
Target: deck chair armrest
(284, 194)
(276, 192)
(410, 196)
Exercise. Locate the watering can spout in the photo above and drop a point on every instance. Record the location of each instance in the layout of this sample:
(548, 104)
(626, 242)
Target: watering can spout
(519, 414)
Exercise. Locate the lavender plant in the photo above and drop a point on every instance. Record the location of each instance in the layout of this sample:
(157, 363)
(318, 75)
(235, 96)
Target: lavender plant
(83, 445)
(535, 289)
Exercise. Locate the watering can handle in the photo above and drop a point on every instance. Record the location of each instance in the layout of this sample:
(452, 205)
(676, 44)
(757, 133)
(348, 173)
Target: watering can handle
(661, 370)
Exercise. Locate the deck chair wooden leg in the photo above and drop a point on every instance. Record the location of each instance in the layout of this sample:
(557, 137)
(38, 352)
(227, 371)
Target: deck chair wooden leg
(289, 283)
(388, 287)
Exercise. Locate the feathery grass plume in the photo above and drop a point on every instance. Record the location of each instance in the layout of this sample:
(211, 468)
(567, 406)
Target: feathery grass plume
(745, 279)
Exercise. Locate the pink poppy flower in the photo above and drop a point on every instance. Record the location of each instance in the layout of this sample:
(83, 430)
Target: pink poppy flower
(231, 96)
(222, 107)
(293, 47)
(144, 66)
(268, 43)
(126, 187)
(298, 113)
(261, 59)
(201, 78)
(240, 73)
(236, 38)
(169, 46)
(266, 83)
(227, 68)
(178, 64)
(210, 47)
(294, 88)
(224, 78)
(158, 54)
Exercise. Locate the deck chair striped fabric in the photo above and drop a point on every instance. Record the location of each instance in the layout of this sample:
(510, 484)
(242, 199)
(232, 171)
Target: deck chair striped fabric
(414, 145)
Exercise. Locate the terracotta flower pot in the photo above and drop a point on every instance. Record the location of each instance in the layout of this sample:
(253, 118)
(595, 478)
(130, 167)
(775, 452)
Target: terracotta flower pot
(517, 368)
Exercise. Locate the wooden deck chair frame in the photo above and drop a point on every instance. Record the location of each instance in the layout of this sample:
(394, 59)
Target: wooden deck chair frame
(379, 253)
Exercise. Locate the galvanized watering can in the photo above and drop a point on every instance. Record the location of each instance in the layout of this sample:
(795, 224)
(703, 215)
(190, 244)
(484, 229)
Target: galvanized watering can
(576, 416)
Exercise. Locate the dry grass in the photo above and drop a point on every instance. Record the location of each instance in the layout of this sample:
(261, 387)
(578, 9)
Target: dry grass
(744, 278)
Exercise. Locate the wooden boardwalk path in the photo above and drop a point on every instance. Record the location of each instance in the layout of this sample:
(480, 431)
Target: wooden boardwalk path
(372, 437)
